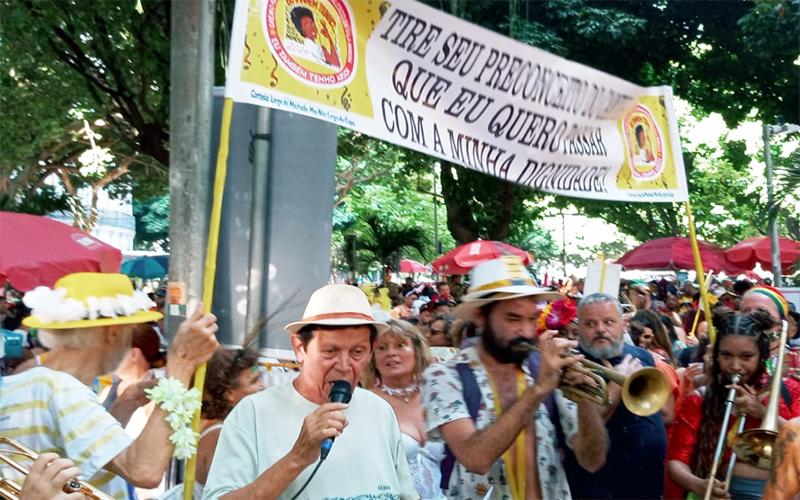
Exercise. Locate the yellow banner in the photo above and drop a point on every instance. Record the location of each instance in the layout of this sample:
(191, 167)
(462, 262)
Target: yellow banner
(415, 76)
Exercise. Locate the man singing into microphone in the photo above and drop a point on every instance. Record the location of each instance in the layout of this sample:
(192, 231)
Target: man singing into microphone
(271, 441)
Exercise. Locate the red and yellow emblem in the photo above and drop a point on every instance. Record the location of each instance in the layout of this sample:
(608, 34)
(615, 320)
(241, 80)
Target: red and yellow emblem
(644, 144)
(313, 40)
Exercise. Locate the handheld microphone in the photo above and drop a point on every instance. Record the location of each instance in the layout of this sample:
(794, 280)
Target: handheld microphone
(340, 393)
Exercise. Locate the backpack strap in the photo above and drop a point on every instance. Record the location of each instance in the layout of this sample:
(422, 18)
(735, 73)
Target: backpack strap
(472, 397)
(534, 361)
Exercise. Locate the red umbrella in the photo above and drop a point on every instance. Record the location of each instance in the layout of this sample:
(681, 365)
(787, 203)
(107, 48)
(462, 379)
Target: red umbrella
(38, 251)
(461, 259)
(412, 266)
(676, 253)
(747, 253)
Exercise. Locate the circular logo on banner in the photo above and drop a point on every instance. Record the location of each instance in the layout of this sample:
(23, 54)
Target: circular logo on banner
(644, 143)
(313, 40)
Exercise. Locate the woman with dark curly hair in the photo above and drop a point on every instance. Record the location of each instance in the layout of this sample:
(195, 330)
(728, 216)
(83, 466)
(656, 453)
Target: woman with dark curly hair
(231, 374)
(741, 346)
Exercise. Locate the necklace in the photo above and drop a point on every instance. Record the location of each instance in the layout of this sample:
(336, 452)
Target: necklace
(403, 393)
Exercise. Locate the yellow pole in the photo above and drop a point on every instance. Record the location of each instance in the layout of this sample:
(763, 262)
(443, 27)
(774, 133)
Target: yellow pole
(697, 313)
(210, 268)
(701, 279)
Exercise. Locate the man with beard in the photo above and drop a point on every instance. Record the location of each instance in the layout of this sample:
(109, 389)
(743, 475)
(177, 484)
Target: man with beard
(634, 467)
(499, 411)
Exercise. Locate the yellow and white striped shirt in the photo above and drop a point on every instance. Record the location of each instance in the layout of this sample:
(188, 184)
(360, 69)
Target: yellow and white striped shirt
(52, 411)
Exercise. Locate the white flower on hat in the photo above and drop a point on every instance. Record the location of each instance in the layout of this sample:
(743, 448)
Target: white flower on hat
(52, 305)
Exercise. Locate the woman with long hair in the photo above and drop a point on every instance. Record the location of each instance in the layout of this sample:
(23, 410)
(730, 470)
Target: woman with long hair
(741, 347)
(649, 333)
(394, 373)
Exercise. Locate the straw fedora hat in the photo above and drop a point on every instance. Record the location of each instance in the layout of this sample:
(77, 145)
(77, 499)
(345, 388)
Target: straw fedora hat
(504, 278)
(84, 300)
(337, 305)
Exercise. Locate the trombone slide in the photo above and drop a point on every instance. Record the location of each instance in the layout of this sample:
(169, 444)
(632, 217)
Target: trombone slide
(726, 418)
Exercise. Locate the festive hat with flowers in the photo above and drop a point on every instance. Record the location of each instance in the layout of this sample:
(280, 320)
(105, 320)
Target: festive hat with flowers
(504, 278)
(84, 300)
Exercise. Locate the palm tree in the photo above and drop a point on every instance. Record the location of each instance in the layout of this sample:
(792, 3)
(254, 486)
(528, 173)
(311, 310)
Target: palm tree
(386, 240)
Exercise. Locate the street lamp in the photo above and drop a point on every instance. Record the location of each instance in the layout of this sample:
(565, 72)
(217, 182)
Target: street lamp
(774, 130)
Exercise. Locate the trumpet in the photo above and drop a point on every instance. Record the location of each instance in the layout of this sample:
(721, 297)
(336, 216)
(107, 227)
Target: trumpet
(643, 392)
(11, 489)
(755, 446)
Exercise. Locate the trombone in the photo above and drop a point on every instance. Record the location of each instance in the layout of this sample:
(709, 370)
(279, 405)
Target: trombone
(736, 378)
(11, 489)
(755, 446)
(643, 392)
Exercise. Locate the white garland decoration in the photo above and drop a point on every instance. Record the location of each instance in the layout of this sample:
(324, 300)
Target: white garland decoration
(180, 404)
(53, 306)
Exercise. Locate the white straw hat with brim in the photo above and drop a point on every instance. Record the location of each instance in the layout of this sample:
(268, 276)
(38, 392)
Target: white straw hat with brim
(504, 278)
(337, 305)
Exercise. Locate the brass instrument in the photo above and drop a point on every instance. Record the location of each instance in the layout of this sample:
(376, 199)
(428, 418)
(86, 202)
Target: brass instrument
(755, 446)
(11, 489)
(736, 378)
(643, 392)
(732, 461)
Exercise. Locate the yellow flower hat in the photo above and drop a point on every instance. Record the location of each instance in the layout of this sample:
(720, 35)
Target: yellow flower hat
(84, 300)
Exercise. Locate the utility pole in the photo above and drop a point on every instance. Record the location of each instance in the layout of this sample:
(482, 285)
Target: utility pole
(436, 243)
(190, 98)
(259, 260)
(563, 244)
(772, 130)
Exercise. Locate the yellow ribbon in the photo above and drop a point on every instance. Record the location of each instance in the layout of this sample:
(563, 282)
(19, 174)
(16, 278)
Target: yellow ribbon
(515, 471)
(502, 283)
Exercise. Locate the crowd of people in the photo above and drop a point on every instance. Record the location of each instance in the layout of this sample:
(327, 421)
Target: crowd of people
(450, 390)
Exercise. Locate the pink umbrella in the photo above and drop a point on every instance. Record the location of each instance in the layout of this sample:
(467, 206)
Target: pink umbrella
(747, 253)
(676, 253)
(463, 258)
(38, 251)
(412, 266)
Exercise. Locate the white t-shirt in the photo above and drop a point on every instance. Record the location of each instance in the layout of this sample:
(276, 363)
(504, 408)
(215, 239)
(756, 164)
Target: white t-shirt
(367, 461)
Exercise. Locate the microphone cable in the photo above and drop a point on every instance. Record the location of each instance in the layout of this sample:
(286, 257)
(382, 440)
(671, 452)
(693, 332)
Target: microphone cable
(313, 473)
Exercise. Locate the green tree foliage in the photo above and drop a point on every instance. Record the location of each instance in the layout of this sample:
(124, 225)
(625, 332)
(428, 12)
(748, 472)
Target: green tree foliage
(730, 57)
(152, 223)
(386, 240)
(68, 65)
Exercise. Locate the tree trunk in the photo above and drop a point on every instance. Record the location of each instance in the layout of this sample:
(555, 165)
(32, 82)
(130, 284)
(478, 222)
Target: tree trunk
(500, 231)
(459, 213)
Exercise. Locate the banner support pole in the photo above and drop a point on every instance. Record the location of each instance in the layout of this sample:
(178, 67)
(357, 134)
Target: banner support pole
(701, 279)
(210, 269)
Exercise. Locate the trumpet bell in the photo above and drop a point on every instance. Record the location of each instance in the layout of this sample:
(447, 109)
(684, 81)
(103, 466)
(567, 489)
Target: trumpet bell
(755, 447)
(645, 391)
